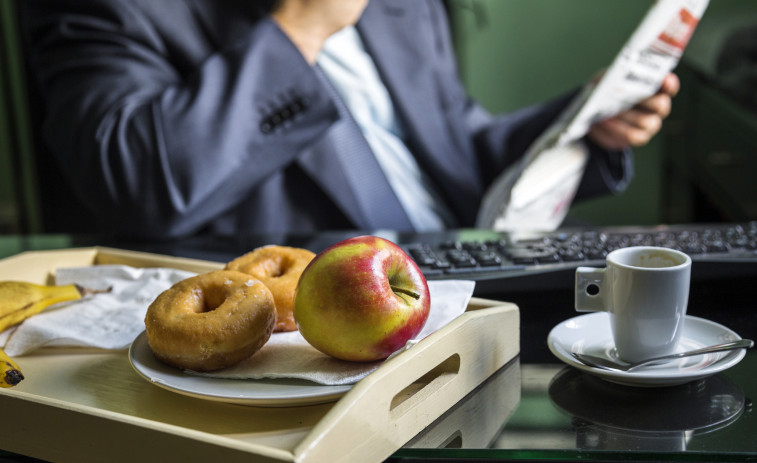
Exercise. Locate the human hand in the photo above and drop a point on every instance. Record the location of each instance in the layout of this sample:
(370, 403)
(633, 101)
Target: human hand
(308, 23)
(637, 125)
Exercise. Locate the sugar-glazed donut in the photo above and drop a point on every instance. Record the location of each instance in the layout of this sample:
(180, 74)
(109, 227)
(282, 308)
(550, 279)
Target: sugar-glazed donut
(279, 268)
(210, 321)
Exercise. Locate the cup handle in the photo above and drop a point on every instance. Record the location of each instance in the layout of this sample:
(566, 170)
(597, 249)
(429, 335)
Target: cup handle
(588, 291)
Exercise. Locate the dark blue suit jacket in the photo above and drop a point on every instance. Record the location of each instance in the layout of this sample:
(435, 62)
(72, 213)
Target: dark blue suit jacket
(174, 117)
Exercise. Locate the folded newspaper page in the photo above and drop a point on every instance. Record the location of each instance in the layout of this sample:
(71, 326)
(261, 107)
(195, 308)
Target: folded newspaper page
(536, 193)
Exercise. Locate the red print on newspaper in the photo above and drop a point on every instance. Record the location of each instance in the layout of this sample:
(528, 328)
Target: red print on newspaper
(676, 35)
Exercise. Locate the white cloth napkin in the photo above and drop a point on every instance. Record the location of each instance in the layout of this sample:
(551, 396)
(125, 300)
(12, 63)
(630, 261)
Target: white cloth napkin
(108, 321)
(113, 320)
(288, 355)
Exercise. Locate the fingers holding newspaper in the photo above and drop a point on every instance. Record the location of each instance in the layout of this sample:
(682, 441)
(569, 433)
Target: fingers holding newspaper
(636, 126)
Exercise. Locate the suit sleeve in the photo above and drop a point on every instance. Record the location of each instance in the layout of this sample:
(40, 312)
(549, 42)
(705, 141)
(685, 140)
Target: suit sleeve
(158, 145)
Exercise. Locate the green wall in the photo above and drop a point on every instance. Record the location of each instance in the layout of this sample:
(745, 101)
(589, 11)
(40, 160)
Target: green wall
(7, 195)
(517, 52)
(18, 195)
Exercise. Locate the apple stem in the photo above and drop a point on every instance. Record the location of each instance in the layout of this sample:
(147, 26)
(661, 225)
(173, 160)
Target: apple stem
(405, 291)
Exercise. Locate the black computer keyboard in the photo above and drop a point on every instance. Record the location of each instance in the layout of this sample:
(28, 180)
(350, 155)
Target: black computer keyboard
(505, 262)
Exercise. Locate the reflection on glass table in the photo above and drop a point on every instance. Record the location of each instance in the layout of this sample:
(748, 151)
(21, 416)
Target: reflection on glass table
(475, 421)
(560, 412)
(611, 417)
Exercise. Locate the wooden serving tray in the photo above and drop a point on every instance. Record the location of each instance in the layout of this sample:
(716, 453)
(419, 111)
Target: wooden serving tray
(84, 405)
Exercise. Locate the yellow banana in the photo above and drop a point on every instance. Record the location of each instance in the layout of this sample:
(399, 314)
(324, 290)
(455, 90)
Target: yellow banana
(10, 373)
(20, 300)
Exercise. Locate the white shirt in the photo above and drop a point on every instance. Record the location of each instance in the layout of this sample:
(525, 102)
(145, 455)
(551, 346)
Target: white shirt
(354, 75)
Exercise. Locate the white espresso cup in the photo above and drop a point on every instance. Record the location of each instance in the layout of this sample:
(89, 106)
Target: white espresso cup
(645, 290)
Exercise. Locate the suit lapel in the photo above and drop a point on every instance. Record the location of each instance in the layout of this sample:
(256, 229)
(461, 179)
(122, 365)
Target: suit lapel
(344, 166)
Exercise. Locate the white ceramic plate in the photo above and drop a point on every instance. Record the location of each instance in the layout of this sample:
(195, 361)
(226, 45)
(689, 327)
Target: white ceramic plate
(591, 334)
(256, 392)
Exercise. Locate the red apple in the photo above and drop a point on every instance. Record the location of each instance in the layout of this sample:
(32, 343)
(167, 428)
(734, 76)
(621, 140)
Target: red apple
(361, 299)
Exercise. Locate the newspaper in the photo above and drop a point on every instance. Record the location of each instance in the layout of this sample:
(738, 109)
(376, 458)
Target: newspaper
(535, 194)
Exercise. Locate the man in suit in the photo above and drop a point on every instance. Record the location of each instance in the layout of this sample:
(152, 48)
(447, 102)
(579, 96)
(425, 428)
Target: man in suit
(187, 116)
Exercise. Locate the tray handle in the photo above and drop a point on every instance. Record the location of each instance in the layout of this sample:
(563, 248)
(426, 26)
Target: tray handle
(408, 392)
(416, 392)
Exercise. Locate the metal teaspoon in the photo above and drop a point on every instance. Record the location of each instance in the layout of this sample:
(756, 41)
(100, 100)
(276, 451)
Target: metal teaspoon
(608, 364)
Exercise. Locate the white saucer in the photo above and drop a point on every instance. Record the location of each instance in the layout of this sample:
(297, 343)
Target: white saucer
(591, 334)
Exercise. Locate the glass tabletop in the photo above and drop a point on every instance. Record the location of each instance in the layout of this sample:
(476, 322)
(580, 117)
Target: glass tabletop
(554, 411)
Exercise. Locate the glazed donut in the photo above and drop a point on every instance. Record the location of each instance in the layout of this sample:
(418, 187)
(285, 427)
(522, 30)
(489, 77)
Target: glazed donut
(210, 321)
(279, 268)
